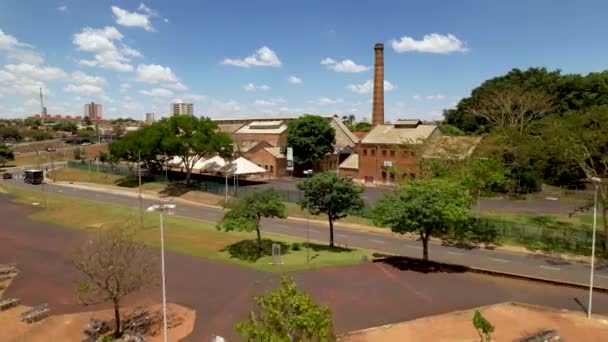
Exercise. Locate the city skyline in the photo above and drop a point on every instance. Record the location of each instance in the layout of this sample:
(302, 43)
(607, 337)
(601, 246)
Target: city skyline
(234, 62)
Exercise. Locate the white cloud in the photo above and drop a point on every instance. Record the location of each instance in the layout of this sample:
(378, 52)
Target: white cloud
(84, 89)
(294, 80)
(430, 43)
(18, 51)
(133, 107)
(154, 73)
(160, 92)
(82, 78)
(417, 97)
(367, 87)
(124, 87)
(323, 101)
(436, 97)
(346, 65)
(132, 19)
(264, 56)
(177, 86)
(166, 20)
(270, 102)
(36, 71)
(142, 7)
(253, 87)
(62, 8)
(328, 61)
(107, 55)
(194, 97)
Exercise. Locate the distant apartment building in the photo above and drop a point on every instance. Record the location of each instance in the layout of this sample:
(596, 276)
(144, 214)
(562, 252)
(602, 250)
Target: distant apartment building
(93, 111)
(181, 108)
(150, 118)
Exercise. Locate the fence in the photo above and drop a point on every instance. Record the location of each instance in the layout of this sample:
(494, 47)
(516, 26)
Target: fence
(557, 237)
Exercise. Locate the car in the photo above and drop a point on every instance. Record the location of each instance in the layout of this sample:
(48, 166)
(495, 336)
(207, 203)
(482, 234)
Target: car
(7, 175)
(51, 149)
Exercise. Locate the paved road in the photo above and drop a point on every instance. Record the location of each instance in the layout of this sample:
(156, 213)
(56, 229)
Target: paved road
(524, 264)
(360, 296)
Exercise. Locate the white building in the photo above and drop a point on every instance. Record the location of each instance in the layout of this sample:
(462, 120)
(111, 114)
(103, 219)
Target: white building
(181, 108)
(150, 118)
(93, 111)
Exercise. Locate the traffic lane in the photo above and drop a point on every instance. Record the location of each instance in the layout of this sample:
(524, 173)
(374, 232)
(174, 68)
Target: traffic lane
(493, 260)
(484, 259)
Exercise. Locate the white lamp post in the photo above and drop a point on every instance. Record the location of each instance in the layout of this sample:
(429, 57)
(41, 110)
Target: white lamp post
(596, 184)
(161, 208)
(308, 173)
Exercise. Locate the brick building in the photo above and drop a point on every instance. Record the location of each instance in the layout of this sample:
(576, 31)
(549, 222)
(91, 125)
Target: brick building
(390, 152)
(248, 133)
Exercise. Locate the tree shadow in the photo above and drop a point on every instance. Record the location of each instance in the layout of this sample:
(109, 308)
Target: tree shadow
(418, 265)
(247, 250)
(325, 248)
(177, 189)
(460, 244)
(128, 182)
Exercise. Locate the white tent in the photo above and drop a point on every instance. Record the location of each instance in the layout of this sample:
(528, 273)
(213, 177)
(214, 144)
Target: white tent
(243, 166)
(240, 166)
(175, 162)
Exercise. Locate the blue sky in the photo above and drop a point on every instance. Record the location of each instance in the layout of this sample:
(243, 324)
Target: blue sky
(241, 58)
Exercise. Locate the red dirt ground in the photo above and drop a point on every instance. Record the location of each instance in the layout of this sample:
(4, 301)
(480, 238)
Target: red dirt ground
(360, 296)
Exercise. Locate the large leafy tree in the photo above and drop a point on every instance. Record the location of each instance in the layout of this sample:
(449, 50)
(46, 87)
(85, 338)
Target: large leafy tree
(192, 139)
(245, 212)
(578, 141)
(330, 194)
(429, 207)
(286, 315)
(311, 138)
(113, 265)
(571, 92)
(145, 145)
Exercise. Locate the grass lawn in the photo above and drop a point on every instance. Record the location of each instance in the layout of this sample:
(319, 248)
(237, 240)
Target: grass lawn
(183, 235)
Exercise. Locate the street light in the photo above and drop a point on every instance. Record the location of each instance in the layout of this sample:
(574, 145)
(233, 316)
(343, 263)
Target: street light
(596, 184)
(308, 173)
(161, 208)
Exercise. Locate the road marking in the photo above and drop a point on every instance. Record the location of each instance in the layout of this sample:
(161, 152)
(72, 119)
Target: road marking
(500, 260)
(455, 253)
(341, 235)
(602, 276)
(377, 241)
(416, 247)
(314, 231)
(549, 268)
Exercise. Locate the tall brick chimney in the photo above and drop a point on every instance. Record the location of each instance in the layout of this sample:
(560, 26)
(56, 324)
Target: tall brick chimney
(378, 105)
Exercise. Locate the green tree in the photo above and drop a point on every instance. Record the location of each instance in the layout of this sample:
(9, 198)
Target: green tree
(87, 121)
(6, 152)
(245, 212)
(362, 126)
(31, 122)
(483, 326)
(287, 314)
(330, 194)
(429, 207)
(579, 138)
(192, 139)
(66, 127)
(145, 144)
(311, 138)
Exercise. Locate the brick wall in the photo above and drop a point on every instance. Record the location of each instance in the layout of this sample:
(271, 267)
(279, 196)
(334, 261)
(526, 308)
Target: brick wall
(372, 158)
(277, 167)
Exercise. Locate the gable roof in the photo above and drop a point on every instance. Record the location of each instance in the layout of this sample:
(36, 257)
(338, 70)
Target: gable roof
(389, 134)
(451, 147)
(351, 162)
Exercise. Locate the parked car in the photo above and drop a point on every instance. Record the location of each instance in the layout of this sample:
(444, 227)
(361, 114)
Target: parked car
(51, 149)
(7, 175)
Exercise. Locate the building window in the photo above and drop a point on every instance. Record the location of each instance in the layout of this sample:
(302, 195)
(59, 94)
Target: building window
(271, 169)
(384, 175)
(412, 154)
(405, 154)
(392, 177)
(365, 152)
(384, 153)
(373, 151)
(392, 152)
(266, 167)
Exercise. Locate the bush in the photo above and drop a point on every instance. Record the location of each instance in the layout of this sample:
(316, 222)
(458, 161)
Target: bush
(247, 250)
(448, 129)
(296, 246)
